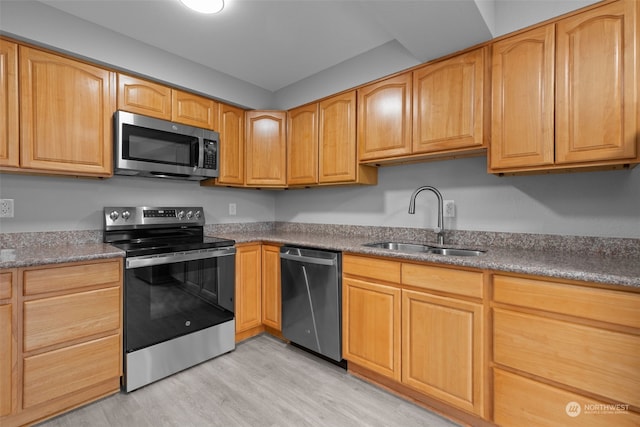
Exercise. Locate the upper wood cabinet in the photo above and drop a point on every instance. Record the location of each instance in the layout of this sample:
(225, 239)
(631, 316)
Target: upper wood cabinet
(338, 156)
(523, 101)
(266, 148)
(66, 110)
(450, 103)
(9, 124)
(194, 110)
(591, 119)
(384, 118)
(302, 145)
(144, 97)
(231, 131)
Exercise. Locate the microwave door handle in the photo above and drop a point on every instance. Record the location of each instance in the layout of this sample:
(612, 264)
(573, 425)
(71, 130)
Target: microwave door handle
(200, 159)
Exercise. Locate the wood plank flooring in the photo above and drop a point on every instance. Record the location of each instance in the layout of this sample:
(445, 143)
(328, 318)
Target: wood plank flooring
(263, 383)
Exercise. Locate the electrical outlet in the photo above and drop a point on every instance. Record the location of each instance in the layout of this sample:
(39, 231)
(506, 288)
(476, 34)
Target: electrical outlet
(6, 208)
(232, 209)
(449, 209)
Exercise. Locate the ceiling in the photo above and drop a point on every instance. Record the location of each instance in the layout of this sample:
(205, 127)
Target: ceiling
(274, 43)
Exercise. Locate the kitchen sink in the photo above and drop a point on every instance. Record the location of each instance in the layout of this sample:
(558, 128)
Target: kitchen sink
(417, 247)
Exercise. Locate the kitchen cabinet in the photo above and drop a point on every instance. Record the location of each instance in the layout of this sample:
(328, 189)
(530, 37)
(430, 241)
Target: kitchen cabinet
(584, 352)
(266, 148)
(451, 104)
(338, 155)
(590, 120)
(66, 109)
(8, 332)
(67, 345)
(194, 110)
(384, 118)
(419, 325)
(443, 333)
(231, 129)
(371, 315)
(302, 145)
(145, 97)
(271, 289)
(248, 292)
(9, 122)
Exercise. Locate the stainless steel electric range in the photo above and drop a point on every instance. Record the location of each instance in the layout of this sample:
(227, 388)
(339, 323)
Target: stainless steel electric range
(178, 290)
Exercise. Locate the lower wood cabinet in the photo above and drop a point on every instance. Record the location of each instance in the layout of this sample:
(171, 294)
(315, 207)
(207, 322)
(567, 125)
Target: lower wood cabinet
(248, 292)
(419, 325)
(565, 344)
(271, 288)
(61, 337)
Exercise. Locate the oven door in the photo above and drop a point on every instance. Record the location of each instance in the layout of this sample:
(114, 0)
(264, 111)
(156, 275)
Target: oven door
(170, 295)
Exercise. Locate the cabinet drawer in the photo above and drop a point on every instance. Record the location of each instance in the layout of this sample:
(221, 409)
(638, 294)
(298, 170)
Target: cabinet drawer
(6, 284)
(618, 307)
(55, 320)
(595, 360)
(373, 268)
(51, 375)
(524, 402)
(467, 283)
(69, 277)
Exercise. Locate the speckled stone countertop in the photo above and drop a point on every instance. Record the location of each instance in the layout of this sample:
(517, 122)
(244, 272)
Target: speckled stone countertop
(612, 261)
(563, 258)
(40, 248)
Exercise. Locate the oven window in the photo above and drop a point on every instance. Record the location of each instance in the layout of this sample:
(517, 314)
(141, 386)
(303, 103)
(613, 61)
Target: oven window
(150, 145)
(169, 300)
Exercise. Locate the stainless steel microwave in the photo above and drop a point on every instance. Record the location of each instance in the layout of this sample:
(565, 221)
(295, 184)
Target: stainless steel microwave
(150, 147)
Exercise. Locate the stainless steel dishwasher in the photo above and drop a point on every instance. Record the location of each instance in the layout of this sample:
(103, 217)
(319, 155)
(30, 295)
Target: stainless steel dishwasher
(312, 299)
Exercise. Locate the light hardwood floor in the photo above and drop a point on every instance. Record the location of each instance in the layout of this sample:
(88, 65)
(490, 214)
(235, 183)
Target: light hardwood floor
(263, 383)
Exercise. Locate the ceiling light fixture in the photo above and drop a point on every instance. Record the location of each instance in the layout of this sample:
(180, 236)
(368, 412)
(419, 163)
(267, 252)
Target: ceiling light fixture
(204, 6)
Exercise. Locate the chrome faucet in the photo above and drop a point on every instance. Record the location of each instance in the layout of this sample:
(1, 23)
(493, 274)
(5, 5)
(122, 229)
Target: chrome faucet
(412, 210)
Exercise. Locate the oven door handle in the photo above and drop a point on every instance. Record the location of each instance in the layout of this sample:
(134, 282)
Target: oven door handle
(173, 257)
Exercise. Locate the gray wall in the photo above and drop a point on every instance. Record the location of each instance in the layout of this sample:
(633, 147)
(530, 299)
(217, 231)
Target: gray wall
(595, 203)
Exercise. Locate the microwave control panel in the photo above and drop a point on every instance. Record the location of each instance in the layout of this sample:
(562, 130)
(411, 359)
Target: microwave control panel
(210, 155)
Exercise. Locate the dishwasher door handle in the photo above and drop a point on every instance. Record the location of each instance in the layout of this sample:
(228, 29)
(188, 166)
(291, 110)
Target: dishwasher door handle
(310, 260)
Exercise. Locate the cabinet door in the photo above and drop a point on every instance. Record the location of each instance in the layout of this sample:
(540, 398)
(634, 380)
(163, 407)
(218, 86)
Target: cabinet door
(248, 288)
(442, 348)
(271, 289)
(66, 114)
(194, 110)
(597, 84)
(231, 145)
(266, 148)
(302, 145)
(6, 359)
(371, 326)
(9, 139)
(337, 139)
(449, 104)
(522, 131)
(144, 97)
(384, 118)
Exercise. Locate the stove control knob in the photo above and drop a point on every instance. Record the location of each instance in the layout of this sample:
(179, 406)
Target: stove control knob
(189, 214)
(126, 215)
(114, 215)
(180, 214)
(198, 214)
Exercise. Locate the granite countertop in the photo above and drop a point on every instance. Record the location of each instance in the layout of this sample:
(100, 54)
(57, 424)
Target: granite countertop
(606, 261)
(556, 263)
(30, 255)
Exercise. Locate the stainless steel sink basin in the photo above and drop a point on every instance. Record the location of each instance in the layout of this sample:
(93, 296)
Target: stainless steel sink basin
(455, 252)
(402, 247)
(417, 247)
